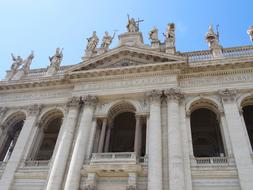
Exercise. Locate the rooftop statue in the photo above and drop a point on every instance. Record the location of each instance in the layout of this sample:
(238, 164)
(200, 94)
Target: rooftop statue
(56, 59)
(153, 34)
(107, 40)
(250, 32)
(170, 33)
(17, 61)
(27, 62)
(133, 25)
(212, 38)
(92, 42)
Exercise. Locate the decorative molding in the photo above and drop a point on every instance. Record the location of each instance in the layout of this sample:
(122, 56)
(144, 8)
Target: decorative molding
(131, 187)
(154, 95)
(90, 186)
(74, 102)
(228, 95)
(173, 94)
(34, 110)
(89, 100)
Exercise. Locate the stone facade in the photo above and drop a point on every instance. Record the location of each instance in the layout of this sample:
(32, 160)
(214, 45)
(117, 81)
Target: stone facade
(157, 90)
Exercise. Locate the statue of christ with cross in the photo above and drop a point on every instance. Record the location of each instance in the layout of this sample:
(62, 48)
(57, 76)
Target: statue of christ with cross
(133, 25)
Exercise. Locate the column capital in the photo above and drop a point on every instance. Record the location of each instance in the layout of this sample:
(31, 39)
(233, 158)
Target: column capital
(173, 94)
(228, 95)
(131, 187)
(90, 186)
(34, 110)
(73, 102)
(90, 100)
(154, 95)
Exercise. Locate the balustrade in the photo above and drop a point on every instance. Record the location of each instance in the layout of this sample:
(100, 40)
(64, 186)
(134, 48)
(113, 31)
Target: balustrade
(113, 157)
(212, 161)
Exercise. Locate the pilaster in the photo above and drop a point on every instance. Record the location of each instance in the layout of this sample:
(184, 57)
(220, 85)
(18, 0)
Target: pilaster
(56, 174)
(81, 144)
(175, 148)
(238, 139)
(17, 154)
(155, 181)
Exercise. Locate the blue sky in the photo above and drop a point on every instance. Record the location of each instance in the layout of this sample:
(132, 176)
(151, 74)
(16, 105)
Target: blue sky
(43, 25)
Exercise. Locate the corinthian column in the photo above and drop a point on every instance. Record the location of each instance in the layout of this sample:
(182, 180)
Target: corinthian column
(175, 149)
(102, 136)
(155, 142)
(19, 148)
(76, 163)
(238, 139)
(61, 157)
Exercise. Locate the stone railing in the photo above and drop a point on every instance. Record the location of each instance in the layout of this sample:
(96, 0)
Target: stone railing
(36, 163)
(118, 157)
(199, 56)
(2, 164)
(227, 52)
(212, 161)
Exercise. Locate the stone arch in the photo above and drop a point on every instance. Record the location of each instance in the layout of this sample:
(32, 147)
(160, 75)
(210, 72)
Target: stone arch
(204, 102)
(246, 105)
(205, 123)
(245, 100)
(119, 107)
(12, 125)
(50, 122)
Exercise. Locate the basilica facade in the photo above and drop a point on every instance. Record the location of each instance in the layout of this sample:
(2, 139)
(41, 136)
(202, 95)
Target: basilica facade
(134, 117)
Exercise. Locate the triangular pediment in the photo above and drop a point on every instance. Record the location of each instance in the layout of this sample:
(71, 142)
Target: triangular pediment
(124, 57)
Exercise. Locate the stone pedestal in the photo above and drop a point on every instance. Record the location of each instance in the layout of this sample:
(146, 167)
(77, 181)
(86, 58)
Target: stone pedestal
(61, 157)
(155, 181)
(51, 70)
(170, 46)
(155, 44)
(131, 39)
(81, 145)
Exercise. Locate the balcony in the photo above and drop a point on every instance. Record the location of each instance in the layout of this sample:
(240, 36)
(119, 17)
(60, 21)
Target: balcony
(114, 158)
(212, 161)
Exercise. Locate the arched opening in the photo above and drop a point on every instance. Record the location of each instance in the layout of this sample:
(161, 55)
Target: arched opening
(248, 118)
(123, 133)
(206, 135)
(48, 133)
(10, 135)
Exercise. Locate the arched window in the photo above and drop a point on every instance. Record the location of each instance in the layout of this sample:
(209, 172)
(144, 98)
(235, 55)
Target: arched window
(49, 129)
(206, 135)
(123, 133)
(10, 135)
(248, 118)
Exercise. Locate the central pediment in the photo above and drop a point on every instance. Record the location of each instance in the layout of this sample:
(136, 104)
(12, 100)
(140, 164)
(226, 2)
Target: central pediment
(125, 56)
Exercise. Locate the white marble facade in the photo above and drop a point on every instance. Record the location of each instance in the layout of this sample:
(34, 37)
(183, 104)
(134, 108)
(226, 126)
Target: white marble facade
(160, 88)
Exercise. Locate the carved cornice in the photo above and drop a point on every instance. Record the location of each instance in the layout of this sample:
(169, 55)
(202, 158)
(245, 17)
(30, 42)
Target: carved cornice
(228, 95)
(173, 94)
(90, 101)
(74, 102)
(154, 95)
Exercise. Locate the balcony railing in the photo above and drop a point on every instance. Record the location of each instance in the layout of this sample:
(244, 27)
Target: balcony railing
(115, 157)
(36, 163)
(2, 164)
(212, 161)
